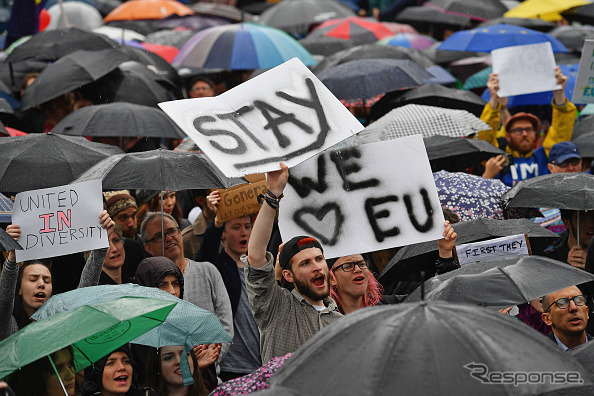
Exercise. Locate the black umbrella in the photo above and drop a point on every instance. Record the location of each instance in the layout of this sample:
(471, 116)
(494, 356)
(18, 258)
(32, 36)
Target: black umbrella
(456, 154)
(5, 107)
(585, 144)
(412, 259)
(69, 73)
(573, 37)
(574, 191)
(12, 74)
(142, 26)
(477, 10)
(439, 96)
(290, 14)
(51, 45)
(7, 243)
(444, 57)
(432, 348)
(222, 10)
(374, 51)
(502, 284)
(583, 14)
(426, 18)
(159, 170)
(120, 120)
(530, 23)
(367, 78)
(325, 45)
(584, 126)
(585, 355)
(47, 160)
(153, 61)
(565, 58)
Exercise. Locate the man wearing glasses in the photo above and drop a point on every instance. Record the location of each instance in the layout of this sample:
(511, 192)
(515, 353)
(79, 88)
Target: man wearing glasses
(524, 161)
(566, 312)
(203, 285)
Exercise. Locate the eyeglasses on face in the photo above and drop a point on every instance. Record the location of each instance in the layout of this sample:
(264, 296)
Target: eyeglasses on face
(519, 131)
(566, 163)
(173, 231)
(563, 303)
(348, 267)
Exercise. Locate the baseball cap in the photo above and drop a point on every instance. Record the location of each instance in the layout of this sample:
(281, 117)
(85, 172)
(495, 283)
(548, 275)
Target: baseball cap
(294, 246)
(563, 151)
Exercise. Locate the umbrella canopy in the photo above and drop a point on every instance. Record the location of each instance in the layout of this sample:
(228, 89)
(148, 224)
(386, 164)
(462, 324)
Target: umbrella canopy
(142, 26)
(241, 47)
(5, 209)
(103, 6)
(74, 14)
(478, 80)
(547, 10)
(148, 9)
(502, 282)
(583, 127)
(486, 39)
(303, 13)
(116, 33)
(51, 45)
(399, 27)
(476, 10)
(69, 73)
(6, 241)
(13, 74)
(409, 40)
(222, 10)
(582, 14)
(166, 52)
(325, 46)
(425, 17)
(573, 191)
(185, 325)
(158, 170)
(193, 22)
(47, 160)
(412, 259)
(92, 331)
(585, 144)
(428, 348)
(440, 96)
(175, 38)
(119, 119)
(374, 51)
(446, 57)
(426, 120)
(153, 61)
(366, 78)
(356, 29)
(542, 98)
(585, 355)
(534, 24)
(456, 154)
(573, 37)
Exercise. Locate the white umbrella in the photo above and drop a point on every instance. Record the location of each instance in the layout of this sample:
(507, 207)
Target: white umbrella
(77, 14)
(116, 33)
(428, 121)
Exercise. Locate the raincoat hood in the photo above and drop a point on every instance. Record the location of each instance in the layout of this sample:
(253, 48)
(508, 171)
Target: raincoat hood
(152, 270)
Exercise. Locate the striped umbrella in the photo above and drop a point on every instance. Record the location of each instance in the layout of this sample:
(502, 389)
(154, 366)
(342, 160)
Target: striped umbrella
(410, 40)
(242, 46)
(5, 209)
(356, 29)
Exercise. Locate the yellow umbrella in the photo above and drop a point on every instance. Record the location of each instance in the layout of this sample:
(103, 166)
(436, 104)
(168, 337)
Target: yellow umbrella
(548, 10)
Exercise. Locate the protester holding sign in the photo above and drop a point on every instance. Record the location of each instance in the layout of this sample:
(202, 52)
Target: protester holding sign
(24, 290)
(286, 318)
(521, 132)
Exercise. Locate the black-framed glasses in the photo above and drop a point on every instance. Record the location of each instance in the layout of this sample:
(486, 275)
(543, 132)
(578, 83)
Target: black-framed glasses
(173, 231)
(563, 303)
(348, 267)
(519, 131)
(572, 161)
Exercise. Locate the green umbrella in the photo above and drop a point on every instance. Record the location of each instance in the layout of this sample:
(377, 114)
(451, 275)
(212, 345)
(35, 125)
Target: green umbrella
(92, 331)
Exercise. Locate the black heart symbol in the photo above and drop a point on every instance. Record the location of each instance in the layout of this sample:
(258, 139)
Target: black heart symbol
(319, 214)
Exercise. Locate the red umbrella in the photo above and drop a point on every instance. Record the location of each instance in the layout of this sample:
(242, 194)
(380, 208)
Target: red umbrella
(356, 29)
(166, 52)
(15, 132)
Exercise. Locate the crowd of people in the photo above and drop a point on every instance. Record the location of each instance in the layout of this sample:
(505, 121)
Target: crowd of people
(271, 294)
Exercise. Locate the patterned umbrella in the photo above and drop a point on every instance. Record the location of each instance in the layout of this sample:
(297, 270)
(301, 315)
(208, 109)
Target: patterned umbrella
(240, 47)
(409, 40)
(5, 209)
(355, 29)
(425, 120)
(478, 80)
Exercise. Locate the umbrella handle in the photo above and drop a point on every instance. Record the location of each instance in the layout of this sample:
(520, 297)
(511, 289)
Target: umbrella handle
(578, 228)
(162, 220)
(57, 375)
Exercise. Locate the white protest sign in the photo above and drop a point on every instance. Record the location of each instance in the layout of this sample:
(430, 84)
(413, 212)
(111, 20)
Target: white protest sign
(59, 220)
(285, 114)
(525, 69)
(515, 245)
(364, 198)
(583, 91)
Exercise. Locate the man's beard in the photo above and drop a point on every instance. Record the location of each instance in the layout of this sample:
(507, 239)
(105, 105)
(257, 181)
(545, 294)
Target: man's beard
(306, 289)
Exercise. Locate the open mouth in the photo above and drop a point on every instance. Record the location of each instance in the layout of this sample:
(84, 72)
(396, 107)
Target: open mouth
(122, 379)
(170, 246)
(243, 244)
(359, 279)
(39, 296)
(575, 320)
(319, 281)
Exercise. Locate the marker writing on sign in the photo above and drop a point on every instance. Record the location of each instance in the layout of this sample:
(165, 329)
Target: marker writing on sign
(275, 118)
(490, 249)
(376, 208)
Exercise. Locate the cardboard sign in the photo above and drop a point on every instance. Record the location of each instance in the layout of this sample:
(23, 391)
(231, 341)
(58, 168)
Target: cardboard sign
(584, 83)
(515, 245)
(285, 114)
(241, 200)
(59, 220)
(364, 198)
(525, 69)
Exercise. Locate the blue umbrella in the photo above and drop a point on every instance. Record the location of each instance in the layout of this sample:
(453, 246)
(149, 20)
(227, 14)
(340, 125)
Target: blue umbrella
(488, 38)
(542, 98)
(440, 76)
(5, 209)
